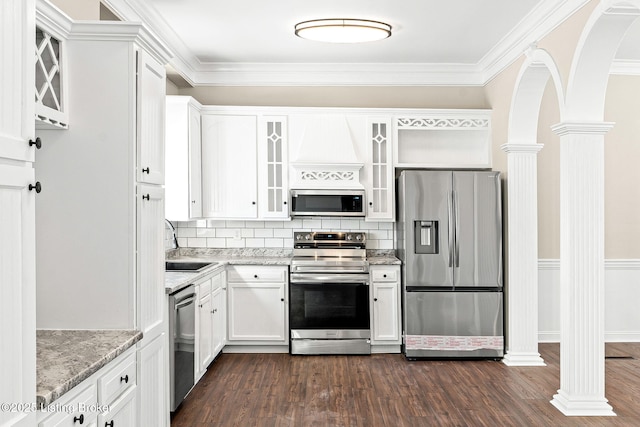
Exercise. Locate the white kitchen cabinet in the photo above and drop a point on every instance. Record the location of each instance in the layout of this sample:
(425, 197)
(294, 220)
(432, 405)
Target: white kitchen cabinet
(151, 91)
(219, 314)
(81, 401)
(203, 333)
(183, 163)
(122, 412)
(106, 270)
(379, 171)
(153, 383)
(273, 188)
(17, 210)
(446, 139)
(229, 166)
(385, 305)
(257, 304)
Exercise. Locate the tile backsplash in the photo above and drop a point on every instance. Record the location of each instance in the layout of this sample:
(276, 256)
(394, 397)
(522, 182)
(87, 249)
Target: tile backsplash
(274, 234)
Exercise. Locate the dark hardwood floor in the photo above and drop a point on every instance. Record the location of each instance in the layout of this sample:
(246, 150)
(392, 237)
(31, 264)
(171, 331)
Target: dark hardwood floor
(387, 390)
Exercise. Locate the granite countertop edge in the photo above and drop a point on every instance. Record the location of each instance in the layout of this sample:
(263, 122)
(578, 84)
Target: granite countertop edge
(175, 281)
(46, 395)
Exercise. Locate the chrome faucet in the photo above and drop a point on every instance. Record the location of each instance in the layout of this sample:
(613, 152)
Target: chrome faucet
(173, 231)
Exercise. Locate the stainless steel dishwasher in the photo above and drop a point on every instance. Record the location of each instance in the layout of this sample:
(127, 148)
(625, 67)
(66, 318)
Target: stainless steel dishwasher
(182, 327)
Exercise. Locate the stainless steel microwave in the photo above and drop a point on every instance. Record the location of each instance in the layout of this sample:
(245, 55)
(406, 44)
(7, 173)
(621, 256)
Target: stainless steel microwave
(327, 203)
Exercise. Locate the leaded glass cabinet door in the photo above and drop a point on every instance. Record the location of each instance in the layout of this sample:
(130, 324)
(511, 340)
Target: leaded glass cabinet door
(272, 182)
(380, 185)
(50, 90)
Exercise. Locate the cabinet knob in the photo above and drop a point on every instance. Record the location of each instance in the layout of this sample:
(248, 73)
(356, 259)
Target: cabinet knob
(109, 424)
(37, 143)
(214, 311)
(36, 187)
(370, 203)
(253, 203)
(146, 197)
(125, 379)
(255, 276)
(384, 275)
(375, 299)
(146, 170)
(193, 201)
(282, 299)
(79, 419)
(285, 202)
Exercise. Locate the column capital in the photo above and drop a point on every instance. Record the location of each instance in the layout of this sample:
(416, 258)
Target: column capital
(511, 147)
(589, 128)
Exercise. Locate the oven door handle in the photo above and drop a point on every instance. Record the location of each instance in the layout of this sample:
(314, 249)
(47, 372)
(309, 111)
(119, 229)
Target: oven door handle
(329, 278)
(328, 269)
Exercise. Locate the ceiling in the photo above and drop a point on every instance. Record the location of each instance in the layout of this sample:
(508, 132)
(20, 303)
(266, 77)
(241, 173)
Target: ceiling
(252, 42)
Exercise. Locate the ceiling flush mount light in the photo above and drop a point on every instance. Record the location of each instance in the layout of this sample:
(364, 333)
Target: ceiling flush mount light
(343, 30)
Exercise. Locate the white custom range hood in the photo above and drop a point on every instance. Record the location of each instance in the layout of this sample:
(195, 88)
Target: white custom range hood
(326, 157)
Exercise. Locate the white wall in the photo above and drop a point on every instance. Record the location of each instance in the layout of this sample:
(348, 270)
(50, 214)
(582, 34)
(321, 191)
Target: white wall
(275, 234)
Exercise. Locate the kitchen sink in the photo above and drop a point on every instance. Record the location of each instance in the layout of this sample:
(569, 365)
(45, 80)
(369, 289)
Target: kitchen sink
(186, 266)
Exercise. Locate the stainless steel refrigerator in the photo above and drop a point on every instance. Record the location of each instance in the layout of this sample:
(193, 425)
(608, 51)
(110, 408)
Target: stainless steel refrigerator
(449, 238)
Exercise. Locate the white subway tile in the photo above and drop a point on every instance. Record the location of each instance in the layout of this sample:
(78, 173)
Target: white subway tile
(216, 242)
(274, 224)
(285, 233)
(247, 232)
(186, 232)
(185, 224)
(372, 244)
(235, 224)
(368, 225)
(287, 243)
(349, 224)
(228, 232)
(312, 224)
(235, 243)
(263, 232)
(216, 224)
(331, 224)
(385, 225)
(385, 244)
(377, 234)
(293, 224)
(197, 242)
(273, 243)
(254, 243)
(183, 242)
(255, 224)
(206, 232)
(201, 223)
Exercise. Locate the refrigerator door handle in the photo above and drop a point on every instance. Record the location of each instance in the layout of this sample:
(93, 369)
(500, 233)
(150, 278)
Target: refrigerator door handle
(457, 228)
(450, 223)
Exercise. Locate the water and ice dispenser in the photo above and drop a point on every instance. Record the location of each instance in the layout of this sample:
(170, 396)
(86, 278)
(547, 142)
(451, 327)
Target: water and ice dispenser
(426, 237)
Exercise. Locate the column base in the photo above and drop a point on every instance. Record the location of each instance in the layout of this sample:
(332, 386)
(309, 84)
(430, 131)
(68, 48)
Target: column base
(523, 359)
(582, 407)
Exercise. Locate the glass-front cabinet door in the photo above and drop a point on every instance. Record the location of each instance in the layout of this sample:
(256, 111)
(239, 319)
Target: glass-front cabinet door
(272, 161)
(380, 173)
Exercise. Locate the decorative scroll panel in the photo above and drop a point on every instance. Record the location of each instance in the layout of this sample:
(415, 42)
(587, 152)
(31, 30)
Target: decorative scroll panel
(441, 123)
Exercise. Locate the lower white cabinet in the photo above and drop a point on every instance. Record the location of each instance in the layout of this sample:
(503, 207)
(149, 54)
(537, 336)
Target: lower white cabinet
(257, 308)
(152, 383)
(385, 304)
(210, 320)
(122, 412)
(107, 398)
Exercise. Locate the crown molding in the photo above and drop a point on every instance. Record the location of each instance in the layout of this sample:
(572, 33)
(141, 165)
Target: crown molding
(538, 23)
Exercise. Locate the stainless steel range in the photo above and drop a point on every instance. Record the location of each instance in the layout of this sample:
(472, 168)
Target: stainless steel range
(329, 294)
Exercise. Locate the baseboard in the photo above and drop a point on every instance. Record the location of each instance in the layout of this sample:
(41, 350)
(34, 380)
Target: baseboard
(256, 349)
(554, 337)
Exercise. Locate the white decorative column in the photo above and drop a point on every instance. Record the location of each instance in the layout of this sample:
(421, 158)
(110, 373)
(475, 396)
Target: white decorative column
(582, 389)
(522, 271)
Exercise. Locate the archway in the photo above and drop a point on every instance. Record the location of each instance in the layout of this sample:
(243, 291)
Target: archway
(581, 134)
(522, 149)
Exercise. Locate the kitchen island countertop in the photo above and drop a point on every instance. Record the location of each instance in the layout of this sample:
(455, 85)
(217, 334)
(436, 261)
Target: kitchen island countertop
(65, 358)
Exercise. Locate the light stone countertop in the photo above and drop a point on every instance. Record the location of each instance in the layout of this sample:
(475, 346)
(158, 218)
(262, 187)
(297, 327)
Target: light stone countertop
(65, 358)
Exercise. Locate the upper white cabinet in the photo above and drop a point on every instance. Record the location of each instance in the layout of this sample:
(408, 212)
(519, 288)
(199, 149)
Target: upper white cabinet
(151, 87)
(183, 166)
(273, 188)
(379, 171)
(443, 139)
(229, 165)
(17, 211)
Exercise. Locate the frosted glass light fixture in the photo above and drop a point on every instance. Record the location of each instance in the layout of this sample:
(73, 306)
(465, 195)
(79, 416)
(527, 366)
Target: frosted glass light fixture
(343, 30)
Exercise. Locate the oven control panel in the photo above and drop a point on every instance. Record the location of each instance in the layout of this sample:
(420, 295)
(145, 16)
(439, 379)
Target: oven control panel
(328, 238)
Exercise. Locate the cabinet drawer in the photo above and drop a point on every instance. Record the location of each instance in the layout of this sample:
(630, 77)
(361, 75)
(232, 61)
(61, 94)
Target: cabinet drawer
(257, 274)
(204, 287)
(74, 409)
(384, 275)
(117, 380)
